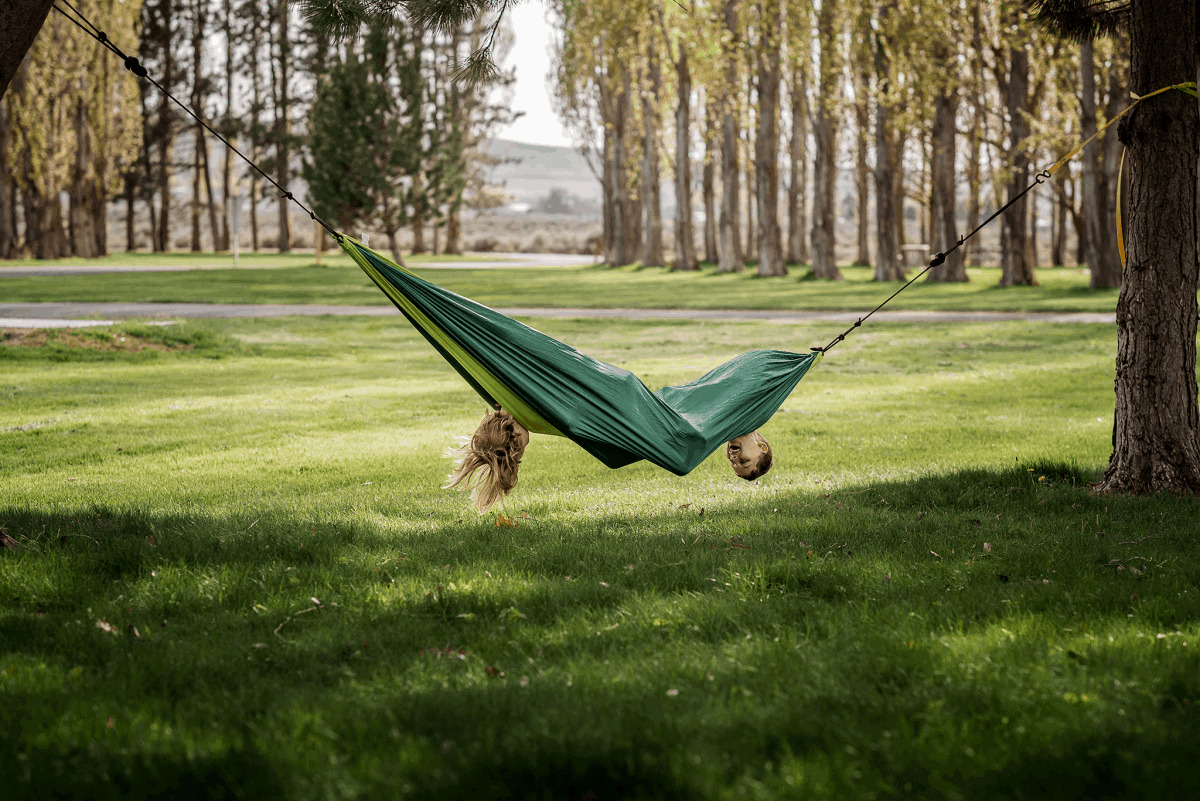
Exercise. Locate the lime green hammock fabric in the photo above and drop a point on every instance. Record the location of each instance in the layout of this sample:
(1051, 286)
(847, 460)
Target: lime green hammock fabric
(551, 388)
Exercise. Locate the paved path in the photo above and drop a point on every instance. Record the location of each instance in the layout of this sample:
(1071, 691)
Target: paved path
(14, 315)
(502, 260)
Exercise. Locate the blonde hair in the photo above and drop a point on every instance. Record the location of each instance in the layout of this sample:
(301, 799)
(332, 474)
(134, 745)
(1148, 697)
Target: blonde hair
(495, 452)
(764, 462)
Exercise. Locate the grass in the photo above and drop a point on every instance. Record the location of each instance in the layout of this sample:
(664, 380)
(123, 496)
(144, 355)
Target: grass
(338, 281)
(235, 575)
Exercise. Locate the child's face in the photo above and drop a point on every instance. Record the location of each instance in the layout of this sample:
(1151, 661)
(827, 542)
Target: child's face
(522, 436)
(744, 453)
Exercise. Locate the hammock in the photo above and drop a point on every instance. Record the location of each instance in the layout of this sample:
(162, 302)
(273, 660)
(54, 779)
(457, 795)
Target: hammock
(551, 388)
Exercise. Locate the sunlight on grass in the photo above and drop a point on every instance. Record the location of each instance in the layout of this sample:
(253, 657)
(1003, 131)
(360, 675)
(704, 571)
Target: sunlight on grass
(234, 570)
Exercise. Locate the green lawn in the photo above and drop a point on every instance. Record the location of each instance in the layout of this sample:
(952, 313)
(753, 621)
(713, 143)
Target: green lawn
(339, 281)
(236, 575)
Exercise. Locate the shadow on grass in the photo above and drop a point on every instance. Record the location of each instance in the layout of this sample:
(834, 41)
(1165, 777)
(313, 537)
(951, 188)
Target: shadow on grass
(859, 696)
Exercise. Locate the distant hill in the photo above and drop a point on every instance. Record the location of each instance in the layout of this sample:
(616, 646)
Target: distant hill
(536, 169)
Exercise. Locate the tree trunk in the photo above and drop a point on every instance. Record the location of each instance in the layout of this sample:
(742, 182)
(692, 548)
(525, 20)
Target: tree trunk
(130, 202)
(685, 237)
(729, 239)
(824, 259)
(82, 211)
(652, 245)
(766, 143)
(1015, 263)
(22, 21)
(708, 178)
(797, 244)
(1058, 247)
(8, 188)
(623, 223)
(888, 264)
(1105, 262)
(1156, 433)
(862, 170)
(751, 194)
(196, 186)
(453, 231)
(975, 139)
(283, 128)
(944, 195)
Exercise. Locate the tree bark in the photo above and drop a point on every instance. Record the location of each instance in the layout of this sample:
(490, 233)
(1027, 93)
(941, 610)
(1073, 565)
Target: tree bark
(1156, 433)
(797, 206)
(708, 180)
(862, 170)
(888, 265)
(8, 188)
(1015, 262)
(84, 207)
(283, 127)
(766, 143)
(685, 237)
(22, 21)
(729, 239)
(824, 263)
(1105, 263)
(652, 244)
(944, 195)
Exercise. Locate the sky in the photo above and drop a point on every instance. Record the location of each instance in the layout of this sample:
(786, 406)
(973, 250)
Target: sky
(531, 57)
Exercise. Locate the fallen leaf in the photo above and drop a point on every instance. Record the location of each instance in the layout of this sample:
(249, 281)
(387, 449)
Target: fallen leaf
(495, 673)
(604, 584)
(104, 625)
(672, 692)
(151, 540)
(259, 645)
(524, 516)
(935, 553)
(7, 541)
(987, 547)
(466, 615)
(1133, 598)
(133, 629)
(887, 578)
(110, 723)
(508, 522)
(810, 555)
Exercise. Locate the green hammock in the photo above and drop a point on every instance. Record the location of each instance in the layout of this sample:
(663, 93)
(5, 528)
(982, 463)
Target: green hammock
(551, 388)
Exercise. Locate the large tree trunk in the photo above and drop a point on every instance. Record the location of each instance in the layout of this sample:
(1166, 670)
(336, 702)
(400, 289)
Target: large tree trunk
(1015, 262)
(888, 264)
(766, 144)
(8, 188)
(627, 238)
(797, 207)
(862, 170)
(729, 239)
(824, 263)
(196, 202)
(283, 128)
(652, 245)
(708, 180)
(22, 21)
(944, 185)
(1105, 260)
(685, 237)
(82, 208)
(1156, 433)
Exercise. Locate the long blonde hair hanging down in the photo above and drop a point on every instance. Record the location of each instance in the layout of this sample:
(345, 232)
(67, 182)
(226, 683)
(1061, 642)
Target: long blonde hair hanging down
(495, 453)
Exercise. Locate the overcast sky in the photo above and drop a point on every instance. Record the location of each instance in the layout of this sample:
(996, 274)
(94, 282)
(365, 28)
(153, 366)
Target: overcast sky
(531, 57)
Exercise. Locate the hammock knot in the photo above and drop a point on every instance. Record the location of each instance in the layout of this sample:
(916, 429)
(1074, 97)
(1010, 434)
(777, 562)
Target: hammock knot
(103, 37)
(135, 66)
(938, 258)
(287, 195)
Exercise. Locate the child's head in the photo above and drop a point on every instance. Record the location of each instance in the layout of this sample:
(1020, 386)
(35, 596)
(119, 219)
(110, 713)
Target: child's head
(749, 455)
(495, 450)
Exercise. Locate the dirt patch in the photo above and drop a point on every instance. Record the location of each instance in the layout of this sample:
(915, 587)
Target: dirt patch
(89, 339)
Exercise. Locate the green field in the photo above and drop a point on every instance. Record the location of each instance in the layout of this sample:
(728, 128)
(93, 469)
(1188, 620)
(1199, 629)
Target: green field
(235, 575)
(339, 281)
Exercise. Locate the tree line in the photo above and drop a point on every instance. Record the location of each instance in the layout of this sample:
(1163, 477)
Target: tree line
(75, 124)
(924, 100)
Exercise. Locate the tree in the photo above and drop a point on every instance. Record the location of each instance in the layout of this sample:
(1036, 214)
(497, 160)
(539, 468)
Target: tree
(825, 112)
(364, 132)
(1156, 428)
(766, 142)
(22, 21)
